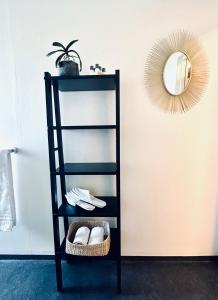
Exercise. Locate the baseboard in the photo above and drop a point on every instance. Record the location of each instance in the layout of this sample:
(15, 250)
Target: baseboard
(170, 258)
(124, 258)
(25, 257)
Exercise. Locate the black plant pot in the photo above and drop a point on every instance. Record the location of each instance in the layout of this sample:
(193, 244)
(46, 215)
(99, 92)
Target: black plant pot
(68, 68)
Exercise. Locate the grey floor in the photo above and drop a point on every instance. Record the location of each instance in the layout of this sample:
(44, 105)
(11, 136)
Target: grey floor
(23, 280)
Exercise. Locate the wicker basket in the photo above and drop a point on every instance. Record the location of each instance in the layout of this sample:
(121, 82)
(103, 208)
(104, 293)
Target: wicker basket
(101, 249)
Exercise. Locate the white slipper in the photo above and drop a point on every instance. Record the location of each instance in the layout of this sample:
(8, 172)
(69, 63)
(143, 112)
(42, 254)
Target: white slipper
(73, 200)
(85, 195)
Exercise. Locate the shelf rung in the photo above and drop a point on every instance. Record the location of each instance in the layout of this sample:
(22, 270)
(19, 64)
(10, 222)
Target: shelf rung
(105, 168)
(79, 127)
(110, 210)
(105, 82)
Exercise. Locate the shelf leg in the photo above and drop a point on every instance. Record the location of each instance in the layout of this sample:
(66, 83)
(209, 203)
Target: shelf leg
(118, 179)
(50, 122)
(60, 148)
(66, 225)
(58, 273)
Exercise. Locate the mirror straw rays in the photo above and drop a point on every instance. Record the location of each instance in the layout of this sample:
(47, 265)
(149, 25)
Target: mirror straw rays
(180, 41)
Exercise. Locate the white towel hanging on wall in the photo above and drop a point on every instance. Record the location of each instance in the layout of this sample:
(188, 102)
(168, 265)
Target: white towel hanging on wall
(7, 203)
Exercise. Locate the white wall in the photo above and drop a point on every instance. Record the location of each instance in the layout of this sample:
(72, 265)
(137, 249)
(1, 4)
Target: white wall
(169, 163)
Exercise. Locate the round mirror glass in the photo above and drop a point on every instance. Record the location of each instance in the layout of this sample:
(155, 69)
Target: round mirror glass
(177, 73)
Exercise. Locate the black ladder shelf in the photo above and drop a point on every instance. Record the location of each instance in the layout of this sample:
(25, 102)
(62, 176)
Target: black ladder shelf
(54, 84)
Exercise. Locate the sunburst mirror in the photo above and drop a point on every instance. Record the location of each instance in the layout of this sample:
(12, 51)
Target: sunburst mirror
(176, 72)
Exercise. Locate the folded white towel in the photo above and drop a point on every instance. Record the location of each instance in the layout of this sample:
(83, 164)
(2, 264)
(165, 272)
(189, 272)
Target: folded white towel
(7, 204)
(85, 196)
(96, 235)
(82, 236)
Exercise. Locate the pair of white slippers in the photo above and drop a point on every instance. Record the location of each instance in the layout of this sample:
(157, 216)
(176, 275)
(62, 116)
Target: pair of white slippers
(83, 199)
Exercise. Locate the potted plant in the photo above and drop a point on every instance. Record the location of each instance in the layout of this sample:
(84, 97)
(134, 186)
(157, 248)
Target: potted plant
(66, 61)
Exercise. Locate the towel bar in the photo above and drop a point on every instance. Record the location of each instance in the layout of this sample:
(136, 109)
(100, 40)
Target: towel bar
(14, 150)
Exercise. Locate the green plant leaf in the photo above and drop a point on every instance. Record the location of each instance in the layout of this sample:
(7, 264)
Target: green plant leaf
(57, 44)
(52, 52)
(59, 59)
(71, 43)
(77, 54)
